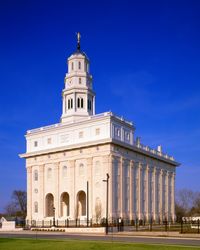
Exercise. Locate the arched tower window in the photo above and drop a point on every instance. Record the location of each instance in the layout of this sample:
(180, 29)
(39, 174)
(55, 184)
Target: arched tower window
(78, 103)
(81, 102)
(71, 103)
(68, 103)
(79, 65)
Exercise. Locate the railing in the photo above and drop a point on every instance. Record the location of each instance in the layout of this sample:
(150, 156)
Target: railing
(120, 224)
(153, 151)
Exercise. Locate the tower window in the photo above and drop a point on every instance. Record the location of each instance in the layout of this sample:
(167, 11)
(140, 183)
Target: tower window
(81, 102)
(35, 143)
(35, 207)
(68, 103)
(35, 175)
(89, 105)
(79, 65)
(72, 66)
(71, 103)
(79, 80)
(78, 103)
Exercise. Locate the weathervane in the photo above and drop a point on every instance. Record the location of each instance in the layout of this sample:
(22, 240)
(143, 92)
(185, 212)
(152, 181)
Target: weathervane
(78, 41)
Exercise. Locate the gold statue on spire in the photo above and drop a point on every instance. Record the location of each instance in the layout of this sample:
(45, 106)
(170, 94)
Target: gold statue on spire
(78, 34)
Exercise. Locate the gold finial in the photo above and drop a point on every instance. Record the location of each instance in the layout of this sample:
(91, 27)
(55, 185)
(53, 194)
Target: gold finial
(78, 40)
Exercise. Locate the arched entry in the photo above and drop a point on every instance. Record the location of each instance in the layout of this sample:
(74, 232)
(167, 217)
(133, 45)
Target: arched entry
(49, 202)
(81, 203)
(64, 204)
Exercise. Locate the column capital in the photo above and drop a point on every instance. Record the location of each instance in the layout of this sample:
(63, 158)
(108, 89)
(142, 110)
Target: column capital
(29, 169)
(41, 167)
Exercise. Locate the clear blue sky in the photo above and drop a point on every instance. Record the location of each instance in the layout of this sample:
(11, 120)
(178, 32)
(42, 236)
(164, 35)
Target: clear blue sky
(145, 61)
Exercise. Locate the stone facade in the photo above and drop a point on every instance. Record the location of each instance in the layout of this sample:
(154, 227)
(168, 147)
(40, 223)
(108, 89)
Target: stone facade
(63, 159)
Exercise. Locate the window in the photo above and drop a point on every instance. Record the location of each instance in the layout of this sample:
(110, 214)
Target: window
(97, 167)
(97, 131)
(81, 169)
(36, 207)
(72, 66)
(49, 140)
(49, 173)
(35, 175)
(79, 65)
(71, 103)
(89, 105)
(68, 103)
(78, 103)
(79, 80)
(81, 102)
(81, 134)
(64, 171)
(35, 143)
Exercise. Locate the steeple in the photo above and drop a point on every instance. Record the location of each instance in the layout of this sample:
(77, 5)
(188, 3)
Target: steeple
(78, 95)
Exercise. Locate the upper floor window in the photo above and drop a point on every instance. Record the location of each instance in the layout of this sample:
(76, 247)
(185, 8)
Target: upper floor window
(72, 66)
(79, 80)
(35, 143)
(49, 173)
(81, 102)
(81, 169)
(79, 65)
(64, 171)
(36, 207)
(81, 134)
(35, 175)
(97, 131)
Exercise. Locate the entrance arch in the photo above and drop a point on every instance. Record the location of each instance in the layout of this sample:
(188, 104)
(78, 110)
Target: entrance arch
(81, 203)
(49, 202)
(64, 204)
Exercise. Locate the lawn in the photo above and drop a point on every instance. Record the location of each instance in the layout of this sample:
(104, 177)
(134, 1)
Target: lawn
(37, 244)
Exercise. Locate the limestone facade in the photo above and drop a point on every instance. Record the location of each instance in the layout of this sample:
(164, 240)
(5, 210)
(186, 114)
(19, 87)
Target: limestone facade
(64, 158)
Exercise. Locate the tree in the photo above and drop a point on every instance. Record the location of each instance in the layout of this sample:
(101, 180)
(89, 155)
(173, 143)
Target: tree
(17, 206)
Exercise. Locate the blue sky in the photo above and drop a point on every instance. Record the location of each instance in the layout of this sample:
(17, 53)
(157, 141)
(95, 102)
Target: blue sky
(145, 60)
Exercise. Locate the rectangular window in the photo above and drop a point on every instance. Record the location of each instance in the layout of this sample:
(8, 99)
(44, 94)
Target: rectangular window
(81, 134)
(97, 131)
(35, 143)
(49, 140)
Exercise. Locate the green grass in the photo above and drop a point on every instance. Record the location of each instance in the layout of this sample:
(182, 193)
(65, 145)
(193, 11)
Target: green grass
(38, 244)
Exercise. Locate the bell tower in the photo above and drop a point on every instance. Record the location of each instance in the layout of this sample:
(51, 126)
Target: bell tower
(78, 96)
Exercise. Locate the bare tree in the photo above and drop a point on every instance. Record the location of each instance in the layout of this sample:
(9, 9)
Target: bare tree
(17, 206)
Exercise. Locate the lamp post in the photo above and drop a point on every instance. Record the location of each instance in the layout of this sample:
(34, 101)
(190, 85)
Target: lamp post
(54, 221)
(107, 193)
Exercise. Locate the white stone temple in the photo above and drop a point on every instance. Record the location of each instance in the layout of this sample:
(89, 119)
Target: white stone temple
(67, 162)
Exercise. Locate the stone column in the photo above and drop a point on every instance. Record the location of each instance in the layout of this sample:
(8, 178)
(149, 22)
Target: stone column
(160, 194)
(72, 194)
(29, 193)
(139, 191)
(131, 190)
(41, 204)
(121, 187)
(166, 195)
(154, 193)
(146, 192)
(90, 182)
(56, 190)
(173, 196)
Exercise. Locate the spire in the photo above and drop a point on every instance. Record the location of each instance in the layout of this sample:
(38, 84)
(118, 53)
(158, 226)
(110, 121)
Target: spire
(78, 41)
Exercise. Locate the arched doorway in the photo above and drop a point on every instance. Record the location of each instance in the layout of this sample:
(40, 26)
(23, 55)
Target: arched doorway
(49, 202)
(64, 204)
(81, 203)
